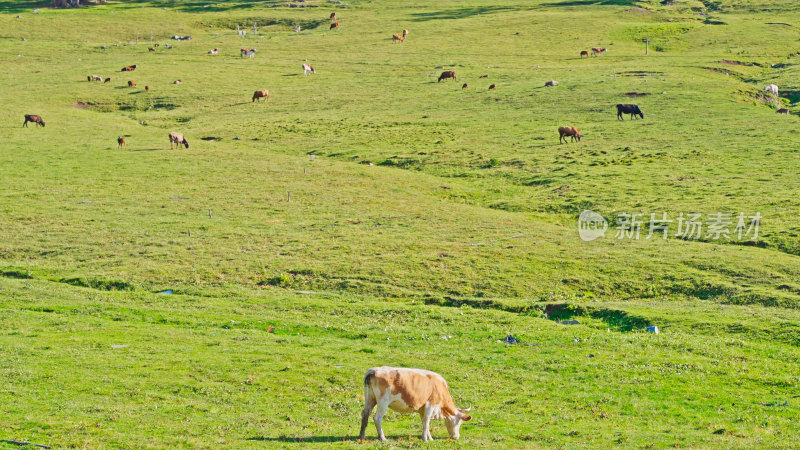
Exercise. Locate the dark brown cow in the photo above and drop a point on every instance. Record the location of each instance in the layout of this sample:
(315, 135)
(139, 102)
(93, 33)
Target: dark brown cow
(151, 49)
(147, 88)
(464, 86)
(783, 111)
(633, 110)
(333, 17)
(334, 26)
(121, 142)
(129, 68)
(572, 132)
(107, 80)
(131, 83)
(33, 118)
(484, 76)
(585, 53)
(448, 74)
(492, 87)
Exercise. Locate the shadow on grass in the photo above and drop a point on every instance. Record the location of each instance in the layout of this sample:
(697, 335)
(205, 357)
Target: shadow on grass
(304, 440)
(461, 13)
(17, 7)
(591, 3)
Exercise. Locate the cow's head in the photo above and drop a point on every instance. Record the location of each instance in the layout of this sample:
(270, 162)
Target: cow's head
(454, 422)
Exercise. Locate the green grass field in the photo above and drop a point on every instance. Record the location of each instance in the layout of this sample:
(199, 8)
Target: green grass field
(369, 215)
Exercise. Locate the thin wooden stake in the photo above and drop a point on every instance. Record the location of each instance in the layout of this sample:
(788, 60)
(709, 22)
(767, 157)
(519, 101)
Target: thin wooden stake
(288, 196)
(209, 214)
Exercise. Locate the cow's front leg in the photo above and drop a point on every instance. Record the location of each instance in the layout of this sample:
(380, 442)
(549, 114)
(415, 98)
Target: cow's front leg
(426, 423)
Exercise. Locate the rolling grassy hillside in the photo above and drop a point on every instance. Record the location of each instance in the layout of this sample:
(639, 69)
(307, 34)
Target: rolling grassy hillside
(368, 212)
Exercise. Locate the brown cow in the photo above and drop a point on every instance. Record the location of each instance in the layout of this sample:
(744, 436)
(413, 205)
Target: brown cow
(131, 83)
(177, 138)
(407, 391)
(334, 26)
(448, 74)
(147, 88)
(264, 93)
(464, 86)
(492, 87)
(107, 80)
(585, 53)
(151, 49)
(783, 111)
(598, 51)
(33, 118)
(484, 76)
(333, 17)
(572, 132)
(129, 68)
(121, 142)
(397, 38)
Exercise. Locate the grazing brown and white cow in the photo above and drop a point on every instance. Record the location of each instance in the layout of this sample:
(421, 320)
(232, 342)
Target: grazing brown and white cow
(177, 82)
(177, 138)
(334, 26)
(550, 83)
(33, 118)
(213, 52)
(492, 87)
(107, 80)
(408, 391)
(95, 78)
(131, 83)
(264, 93)
(129, 68)
(598, 51)
(307, 68)
(333, 17)
(571, 132)
(121, 142)
(249, 52)
(397, 38)
(584, 53)
(448, 74)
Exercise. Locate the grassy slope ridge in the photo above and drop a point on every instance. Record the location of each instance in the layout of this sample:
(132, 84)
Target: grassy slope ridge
(419, 194)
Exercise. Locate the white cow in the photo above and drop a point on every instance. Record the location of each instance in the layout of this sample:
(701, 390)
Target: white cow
(307, 68)
(772, 89)
(408, 391)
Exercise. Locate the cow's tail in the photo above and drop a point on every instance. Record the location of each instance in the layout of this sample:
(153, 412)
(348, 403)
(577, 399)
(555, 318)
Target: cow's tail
(367, 389)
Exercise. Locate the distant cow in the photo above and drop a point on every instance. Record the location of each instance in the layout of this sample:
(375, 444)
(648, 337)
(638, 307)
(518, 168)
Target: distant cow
(244, 52)
(783, 111)
(147, 88)
(177, 82)
(334, 26)
(398, 38)
(307, 68)
(408, 391)
(633, 110)
(464, 86)
(177, 139)
(772, 89)
(448, 74)
(484, 76)
(598, 51)
(213, 52)
(261, 94)
(550, 83)
(95, 78)
(131, 83)
(121, 142)
(249, 52)
(107, 80)
(405, 34)
(151, 49)
(584, 53)
(492, 87)
(129, 68)
(572, 132)
(33, 118)
(333, 17)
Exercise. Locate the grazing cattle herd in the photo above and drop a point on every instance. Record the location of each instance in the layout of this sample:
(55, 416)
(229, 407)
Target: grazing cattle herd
(402, 389)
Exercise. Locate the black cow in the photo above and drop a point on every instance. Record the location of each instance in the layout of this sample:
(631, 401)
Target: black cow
(633, 110)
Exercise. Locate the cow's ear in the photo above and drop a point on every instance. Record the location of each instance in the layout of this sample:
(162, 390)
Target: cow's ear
(466, 418)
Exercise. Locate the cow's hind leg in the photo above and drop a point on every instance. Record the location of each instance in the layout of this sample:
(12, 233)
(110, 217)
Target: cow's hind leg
(383, 404)
(369, 404)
